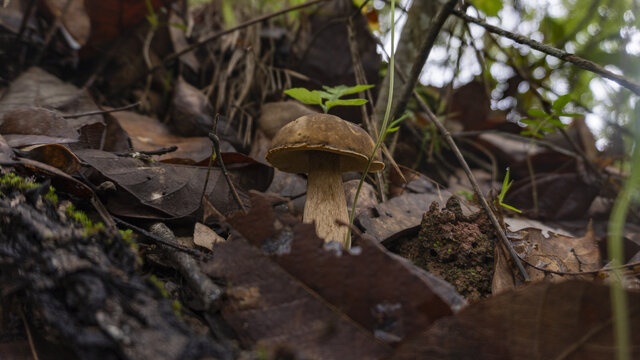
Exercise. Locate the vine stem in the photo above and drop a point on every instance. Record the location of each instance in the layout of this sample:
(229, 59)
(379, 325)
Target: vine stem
(383, 128)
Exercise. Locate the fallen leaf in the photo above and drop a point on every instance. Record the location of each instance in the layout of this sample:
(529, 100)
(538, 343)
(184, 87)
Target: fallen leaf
(170, 190)
(381, 291)
(148, 134)
(34, 125)
(571, 319)
(268, 307)
(205, 237)
(560, 196)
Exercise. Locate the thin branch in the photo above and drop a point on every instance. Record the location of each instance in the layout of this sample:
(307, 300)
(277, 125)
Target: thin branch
(245, 24)
(560, 54)
(425, 49)
(100, 112)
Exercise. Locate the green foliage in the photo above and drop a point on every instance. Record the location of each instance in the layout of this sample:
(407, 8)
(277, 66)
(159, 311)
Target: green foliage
(52, 196)
(329, 97)
(489, 7)
(542, 123)
(159, 285)
(468, 195)
(506, 184)
(80, 217)
(151, 16)
(15, 182)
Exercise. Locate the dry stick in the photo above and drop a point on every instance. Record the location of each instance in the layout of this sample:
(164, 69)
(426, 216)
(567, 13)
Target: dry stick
(208, 292)
(100, 112)
(158, 239)
(52, 31)
(211, 37)
(442, 15)
(560, 54)
(474, 183)
(425, 49)
(361, 79)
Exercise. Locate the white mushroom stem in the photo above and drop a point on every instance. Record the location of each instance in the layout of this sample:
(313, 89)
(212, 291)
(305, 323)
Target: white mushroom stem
(326, 202)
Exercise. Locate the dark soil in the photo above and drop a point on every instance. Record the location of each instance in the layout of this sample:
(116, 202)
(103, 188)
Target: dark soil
(455, 247)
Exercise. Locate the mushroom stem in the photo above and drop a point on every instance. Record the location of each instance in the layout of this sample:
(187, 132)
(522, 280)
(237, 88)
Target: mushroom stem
(326, 202)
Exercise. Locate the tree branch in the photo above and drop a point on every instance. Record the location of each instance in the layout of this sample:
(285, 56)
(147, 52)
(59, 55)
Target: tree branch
(425, 49)
(560, 54)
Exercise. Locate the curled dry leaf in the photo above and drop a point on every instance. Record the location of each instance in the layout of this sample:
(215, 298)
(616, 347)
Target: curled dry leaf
(557, 253)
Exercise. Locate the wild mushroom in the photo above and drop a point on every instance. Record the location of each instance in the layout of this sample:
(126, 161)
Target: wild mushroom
(323, 146)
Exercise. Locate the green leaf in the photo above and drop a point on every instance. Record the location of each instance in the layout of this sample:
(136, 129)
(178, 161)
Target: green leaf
(561, 102)
(526, 132)
(556, 122)
(510, 207)
(506, 184)
(537, 113)
(489, 7)
(305, 96)
(392, 129)
(530, 122)
(573, 115)
(356, 89)
(346, 102)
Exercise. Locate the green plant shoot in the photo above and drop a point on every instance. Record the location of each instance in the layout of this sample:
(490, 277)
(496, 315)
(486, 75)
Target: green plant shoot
(329, 97)
(506, 184)
(542, 123)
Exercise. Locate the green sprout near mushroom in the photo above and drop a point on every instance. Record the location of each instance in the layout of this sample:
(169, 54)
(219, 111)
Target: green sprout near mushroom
(329, 97)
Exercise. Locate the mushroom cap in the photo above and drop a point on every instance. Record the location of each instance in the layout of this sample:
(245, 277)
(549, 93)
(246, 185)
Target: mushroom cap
(322, 132)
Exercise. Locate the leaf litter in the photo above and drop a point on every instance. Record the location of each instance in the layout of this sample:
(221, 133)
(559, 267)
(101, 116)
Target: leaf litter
(284, 292)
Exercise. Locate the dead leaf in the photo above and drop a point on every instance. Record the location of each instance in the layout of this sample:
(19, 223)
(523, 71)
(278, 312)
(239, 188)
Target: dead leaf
(381, 291)
(205, 237)
(544, 320)
(560, 196)
(170, 190)
(275, 115)
(267, 306)
(34, 125)
(55, 155)
(150, 134)
(179, 40)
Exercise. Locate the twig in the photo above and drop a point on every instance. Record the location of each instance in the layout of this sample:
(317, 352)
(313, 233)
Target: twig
(160, 151)
(361, 79)
(215, 150)
(560, 54)
(52, 31)
(208, 292)
(474, 183)
(27, 329)
(425, 49)
(100, 112)
(158, 239)
(211, 37)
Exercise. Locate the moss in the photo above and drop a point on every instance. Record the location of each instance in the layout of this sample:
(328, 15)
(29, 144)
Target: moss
(159, 285)
(51, 196)
(15, 182)
(80, 217)
(177, 308)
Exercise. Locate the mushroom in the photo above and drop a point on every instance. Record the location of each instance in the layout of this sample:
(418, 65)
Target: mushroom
(323, 146)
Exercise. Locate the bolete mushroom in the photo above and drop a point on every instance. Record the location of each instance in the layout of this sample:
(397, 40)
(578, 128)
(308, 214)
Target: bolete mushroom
(323, 147)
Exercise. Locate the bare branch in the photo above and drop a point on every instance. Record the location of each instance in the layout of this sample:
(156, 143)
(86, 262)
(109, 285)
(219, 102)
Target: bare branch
(560, 54)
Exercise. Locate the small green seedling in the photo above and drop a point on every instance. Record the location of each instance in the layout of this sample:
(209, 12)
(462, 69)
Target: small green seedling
(506, 184)
(542, 123)
(329, 97)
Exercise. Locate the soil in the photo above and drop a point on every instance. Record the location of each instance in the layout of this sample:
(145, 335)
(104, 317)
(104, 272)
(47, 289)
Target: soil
(455, 247)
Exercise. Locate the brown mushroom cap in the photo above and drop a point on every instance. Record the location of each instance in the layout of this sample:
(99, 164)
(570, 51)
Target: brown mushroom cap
(322, 132)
